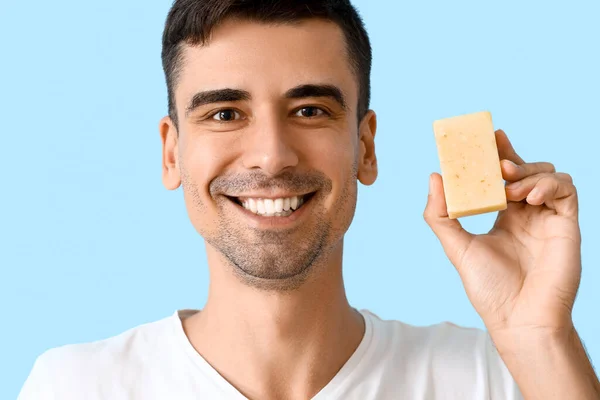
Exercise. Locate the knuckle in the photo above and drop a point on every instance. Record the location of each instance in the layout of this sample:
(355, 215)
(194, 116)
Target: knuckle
(565, 177)
(427, 215)
(571, 186)
(549, 178)
(550, 167)
(541, 167)
(429, 218)
(552, 184)
(542, 179)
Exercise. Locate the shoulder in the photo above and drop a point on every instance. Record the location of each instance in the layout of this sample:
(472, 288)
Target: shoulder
(63, 369)
(448, 355)
(126, 345)
(442, 338)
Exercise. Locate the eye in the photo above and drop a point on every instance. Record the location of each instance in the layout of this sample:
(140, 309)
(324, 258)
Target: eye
(226, 116)
(310, 112)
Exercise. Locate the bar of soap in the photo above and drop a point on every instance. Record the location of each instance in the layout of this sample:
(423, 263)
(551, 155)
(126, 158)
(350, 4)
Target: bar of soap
(470, 164)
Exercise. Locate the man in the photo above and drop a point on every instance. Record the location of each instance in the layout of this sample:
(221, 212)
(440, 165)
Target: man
(269, 130)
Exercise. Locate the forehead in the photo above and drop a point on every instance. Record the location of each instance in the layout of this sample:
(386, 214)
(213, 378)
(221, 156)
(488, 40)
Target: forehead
(261, 58)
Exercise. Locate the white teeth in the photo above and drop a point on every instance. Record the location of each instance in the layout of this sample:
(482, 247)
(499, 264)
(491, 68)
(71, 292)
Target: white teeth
(269, 206)
(281, 207)
(260, 207)
(251, 205)
(278, 205)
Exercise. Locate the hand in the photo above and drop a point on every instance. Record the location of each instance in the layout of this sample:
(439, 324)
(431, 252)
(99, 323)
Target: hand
(524, 274)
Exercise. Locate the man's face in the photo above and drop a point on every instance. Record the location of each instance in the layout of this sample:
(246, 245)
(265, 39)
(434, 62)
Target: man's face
(269, 148)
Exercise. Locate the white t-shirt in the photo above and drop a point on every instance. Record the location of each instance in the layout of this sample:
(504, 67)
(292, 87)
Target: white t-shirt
(393, 361)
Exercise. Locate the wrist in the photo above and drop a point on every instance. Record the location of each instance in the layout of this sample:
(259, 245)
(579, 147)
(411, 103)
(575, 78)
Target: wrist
(521, 341)
(548, 362)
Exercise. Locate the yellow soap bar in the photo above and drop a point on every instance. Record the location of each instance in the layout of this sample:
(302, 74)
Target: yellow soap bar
(470, 164)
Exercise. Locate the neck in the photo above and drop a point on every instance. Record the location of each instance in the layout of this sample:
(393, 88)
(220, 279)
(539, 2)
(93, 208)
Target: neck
(292, 343)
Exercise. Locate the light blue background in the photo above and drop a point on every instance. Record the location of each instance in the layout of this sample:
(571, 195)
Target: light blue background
(91, 244)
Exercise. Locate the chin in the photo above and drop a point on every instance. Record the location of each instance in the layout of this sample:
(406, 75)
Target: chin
(276, 268)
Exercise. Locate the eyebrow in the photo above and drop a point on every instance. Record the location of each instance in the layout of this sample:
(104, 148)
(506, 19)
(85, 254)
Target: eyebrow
(299, 92)
(303, 91)
(216, 96)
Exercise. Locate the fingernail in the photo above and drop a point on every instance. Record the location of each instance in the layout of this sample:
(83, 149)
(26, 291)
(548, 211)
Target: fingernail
(512, 163)
(535, 194)
(430, 184)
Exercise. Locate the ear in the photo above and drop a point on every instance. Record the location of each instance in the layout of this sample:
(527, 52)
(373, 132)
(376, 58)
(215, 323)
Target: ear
(171, 175)
(367, 160)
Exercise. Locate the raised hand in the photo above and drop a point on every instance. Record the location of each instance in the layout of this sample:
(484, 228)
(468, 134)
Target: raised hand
(524, 274)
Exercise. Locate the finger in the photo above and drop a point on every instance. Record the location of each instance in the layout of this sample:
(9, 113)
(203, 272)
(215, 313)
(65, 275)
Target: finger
(565, 177)
(556, 191)
(512, 172)
(556, 194)
(454, 239)
(506, 150)
(521, 190)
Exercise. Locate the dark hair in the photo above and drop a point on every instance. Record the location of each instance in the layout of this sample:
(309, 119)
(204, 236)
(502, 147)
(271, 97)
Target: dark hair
(192, 21)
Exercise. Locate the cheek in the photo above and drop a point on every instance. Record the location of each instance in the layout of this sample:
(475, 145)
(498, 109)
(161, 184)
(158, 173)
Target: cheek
(202, 159)
(206, 157)
(336, 157)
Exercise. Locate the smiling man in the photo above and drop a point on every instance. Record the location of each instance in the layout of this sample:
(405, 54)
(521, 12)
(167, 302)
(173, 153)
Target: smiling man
(269, 133)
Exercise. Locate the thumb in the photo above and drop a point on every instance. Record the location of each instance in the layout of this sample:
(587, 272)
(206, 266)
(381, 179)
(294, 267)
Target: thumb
(454, 239)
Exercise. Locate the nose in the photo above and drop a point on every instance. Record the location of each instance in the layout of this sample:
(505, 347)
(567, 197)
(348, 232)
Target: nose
(268, 147)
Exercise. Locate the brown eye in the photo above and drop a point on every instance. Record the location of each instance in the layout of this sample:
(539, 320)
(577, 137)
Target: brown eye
(310, 112)
(226, 115)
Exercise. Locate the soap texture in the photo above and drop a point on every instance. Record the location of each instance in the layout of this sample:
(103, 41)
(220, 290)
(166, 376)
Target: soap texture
(470, 164)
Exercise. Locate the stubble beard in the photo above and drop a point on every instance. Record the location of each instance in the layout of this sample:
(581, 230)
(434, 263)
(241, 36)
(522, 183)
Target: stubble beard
(271, 260)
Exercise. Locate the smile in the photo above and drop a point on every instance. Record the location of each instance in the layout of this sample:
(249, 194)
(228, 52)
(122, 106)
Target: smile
(273, 207)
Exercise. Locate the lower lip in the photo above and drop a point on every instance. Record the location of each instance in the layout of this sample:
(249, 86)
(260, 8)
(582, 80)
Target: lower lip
(259, 221)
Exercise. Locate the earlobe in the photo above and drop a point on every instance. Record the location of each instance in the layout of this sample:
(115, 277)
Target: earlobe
(171, 175)
(367, 159)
